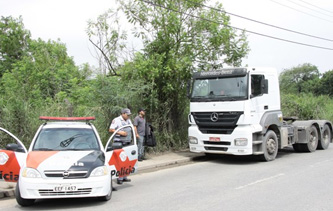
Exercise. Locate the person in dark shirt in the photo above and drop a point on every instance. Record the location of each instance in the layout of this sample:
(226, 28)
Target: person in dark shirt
(139, 127)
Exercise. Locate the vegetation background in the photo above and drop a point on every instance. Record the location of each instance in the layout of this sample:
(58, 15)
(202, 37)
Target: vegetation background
(38, 78)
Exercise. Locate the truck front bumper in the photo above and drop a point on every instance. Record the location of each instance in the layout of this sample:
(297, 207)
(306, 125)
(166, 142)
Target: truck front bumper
(234, 143)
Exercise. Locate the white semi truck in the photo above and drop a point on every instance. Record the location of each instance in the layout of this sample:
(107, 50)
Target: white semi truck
(237, 111)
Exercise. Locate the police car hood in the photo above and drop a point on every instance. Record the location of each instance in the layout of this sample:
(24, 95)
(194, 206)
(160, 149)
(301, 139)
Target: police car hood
(61, 161)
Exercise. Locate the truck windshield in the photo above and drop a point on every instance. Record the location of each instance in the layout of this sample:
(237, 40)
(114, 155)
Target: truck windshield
(62, 139)
(220, 89)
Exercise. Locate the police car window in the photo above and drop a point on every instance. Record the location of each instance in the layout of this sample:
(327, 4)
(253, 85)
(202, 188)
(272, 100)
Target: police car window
(62, 139)
(124, 140)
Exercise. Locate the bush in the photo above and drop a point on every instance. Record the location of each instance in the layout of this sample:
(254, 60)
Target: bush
(307, 106)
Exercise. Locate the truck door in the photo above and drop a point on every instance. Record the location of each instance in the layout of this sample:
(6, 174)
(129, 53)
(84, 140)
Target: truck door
(259, 101)
(12, 156)
(122, 159)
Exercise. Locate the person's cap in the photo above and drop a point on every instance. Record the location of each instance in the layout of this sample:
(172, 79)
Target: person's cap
(126, 111)
(141, 109)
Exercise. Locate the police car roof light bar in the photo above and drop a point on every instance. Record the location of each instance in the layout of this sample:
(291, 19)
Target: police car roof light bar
(49, 118)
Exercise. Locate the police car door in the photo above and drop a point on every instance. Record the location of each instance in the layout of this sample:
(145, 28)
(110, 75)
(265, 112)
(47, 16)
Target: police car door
(12, 156)
(122, 159)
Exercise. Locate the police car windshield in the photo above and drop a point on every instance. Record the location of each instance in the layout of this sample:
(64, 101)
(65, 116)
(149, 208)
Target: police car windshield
(219, 89)
(63, 139)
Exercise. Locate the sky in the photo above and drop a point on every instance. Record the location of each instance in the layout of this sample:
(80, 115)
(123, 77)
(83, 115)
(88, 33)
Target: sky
(67, 20)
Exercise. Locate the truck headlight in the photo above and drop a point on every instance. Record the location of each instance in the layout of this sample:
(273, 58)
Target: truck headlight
(30, 173)
(99, 171)
(240, 141)
(192, 140)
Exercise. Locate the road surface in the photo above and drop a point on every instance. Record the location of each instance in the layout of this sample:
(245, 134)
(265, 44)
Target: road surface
(294, 181)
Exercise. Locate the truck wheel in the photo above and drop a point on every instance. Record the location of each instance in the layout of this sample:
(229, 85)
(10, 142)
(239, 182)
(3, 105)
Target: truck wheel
(21, 201)
(326, 139)
(269, 146)
(312, 144)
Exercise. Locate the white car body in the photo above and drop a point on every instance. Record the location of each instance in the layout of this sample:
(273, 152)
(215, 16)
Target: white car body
(75, 166)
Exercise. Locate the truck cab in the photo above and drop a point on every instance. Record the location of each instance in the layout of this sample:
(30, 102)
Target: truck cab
(237, 111)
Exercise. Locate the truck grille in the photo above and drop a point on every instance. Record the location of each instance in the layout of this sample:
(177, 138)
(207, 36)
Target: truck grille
(224, 149)
(50, 192)
(217, 143)
(216, 122)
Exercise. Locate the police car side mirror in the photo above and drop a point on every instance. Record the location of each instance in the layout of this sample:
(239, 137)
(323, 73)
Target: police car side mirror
(109, 148)
(14, 147)
(115, 145)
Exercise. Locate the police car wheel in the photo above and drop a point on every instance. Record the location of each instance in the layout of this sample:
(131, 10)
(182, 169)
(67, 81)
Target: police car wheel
(21, 201)
(108, 197)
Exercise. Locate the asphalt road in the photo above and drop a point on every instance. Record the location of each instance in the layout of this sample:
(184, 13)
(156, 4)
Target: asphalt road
(294, 181)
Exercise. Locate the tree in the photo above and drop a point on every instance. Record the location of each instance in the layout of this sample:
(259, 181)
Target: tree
(43, 72)
(34, 83)
(14, 40)
(180, 36)
(108, 38)
(303, 78)
(326, 84)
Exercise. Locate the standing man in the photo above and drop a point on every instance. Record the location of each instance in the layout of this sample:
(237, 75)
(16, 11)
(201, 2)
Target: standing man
(124, 135)
(139, 127)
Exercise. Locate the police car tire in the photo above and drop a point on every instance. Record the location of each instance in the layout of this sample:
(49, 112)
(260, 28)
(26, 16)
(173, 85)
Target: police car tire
(108, 197)
(21, 201)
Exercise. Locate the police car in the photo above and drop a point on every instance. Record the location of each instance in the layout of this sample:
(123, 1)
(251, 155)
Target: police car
(66, 159)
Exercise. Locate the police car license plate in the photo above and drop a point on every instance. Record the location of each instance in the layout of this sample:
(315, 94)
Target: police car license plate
(214, 139)
(64, 188)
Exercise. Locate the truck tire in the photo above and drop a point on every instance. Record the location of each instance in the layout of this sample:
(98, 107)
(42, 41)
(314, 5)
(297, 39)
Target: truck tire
(312, 144)
(326, 138)
(269, 146)
(21, 201)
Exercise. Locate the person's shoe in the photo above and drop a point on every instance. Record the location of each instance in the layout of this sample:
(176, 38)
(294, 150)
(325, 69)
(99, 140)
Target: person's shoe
(140, 159)
(120, 182)
(126, 180)
(143, 158)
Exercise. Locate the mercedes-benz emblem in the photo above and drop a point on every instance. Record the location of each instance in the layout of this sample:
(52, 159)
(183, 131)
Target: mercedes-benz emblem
(65, 174)
(214, 117)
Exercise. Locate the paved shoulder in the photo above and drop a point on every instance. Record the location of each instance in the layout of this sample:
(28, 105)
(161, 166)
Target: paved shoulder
(7, 189)
(167, 159)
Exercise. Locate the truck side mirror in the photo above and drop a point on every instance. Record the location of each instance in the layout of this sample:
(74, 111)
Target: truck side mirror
(189, 88)
(264, 86)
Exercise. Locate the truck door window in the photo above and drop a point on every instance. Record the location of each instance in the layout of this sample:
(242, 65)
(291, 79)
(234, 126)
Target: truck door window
(256, 81)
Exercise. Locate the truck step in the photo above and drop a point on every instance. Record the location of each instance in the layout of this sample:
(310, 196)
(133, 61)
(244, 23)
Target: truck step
(257, 142)
(258, 153)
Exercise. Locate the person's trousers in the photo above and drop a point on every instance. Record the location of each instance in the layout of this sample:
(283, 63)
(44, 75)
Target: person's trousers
(141, 148)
